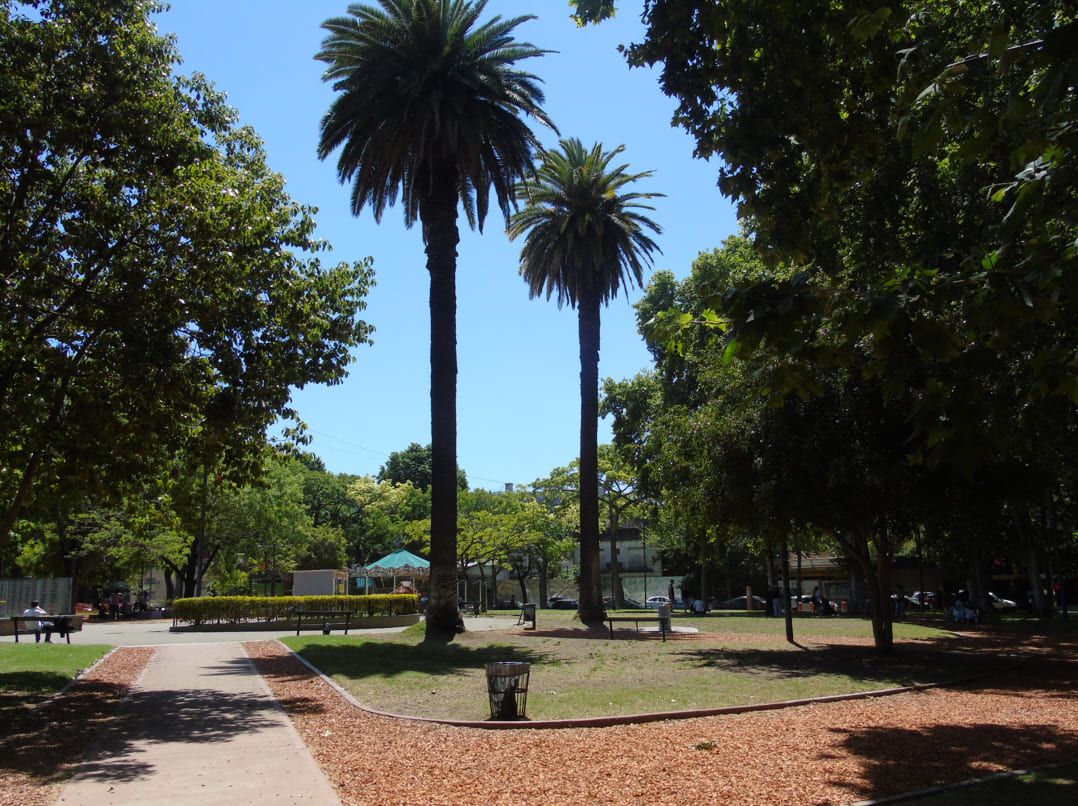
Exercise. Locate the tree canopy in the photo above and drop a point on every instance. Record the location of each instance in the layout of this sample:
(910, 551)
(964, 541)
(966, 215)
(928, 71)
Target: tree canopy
(160, 292)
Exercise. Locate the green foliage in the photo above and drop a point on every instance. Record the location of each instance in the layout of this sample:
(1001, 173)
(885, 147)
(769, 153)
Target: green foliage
(413, 465)
(390, 517)
(925, 201)
(906, 172)
(218, 609)
(161, 293)
(591, 11)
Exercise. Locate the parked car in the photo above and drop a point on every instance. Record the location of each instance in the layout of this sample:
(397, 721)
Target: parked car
(558, 603)
(630, 604)
(740, 603)
(654, 601)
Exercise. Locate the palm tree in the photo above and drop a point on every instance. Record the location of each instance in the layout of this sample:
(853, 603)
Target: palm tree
(429, 105)
(584, 239)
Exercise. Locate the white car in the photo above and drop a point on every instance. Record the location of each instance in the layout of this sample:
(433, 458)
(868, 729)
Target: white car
(654, 601)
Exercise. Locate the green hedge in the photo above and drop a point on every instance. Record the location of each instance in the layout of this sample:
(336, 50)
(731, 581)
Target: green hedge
(218, 609)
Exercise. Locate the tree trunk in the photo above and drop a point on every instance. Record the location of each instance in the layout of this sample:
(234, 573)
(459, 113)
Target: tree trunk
(882, 626)
(591, 610)
(170, 584)
(1033, 560)
(876, 566)
(544, 571)
(439, 215)
(616, 591)
(787, 610)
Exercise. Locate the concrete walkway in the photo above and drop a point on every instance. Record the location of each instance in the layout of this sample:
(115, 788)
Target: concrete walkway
(200, 726)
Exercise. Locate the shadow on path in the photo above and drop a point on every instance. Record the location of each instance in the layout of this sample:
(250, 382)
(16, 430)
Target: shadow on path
(172, 717)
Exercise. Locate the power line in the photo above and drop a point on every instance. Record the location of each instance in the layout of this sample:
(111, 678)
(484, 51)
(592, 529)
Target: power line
(386, 455)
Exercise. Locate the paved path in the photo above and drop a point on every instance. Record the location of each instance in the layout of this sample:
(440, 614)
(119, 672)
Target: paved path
(200, 726)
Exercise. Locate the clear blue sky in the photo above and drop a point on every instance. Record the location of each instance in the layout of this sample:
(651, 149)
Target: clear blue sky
(519, 382)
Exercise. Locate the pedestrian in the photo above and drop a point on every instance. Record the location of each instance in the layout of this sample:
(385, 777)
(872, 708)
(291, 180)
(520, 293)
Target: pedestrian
(900, 603)
(670, 591)
(40, 625)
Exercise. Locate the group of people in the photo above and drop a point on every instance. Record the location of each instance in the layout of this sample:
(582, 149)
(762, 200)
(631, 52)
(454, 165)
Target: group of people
(120, 605)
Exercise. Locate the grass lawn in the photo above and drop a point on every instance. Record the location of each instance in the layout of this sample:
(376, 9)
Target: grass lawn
(1057, 786)
(30, 672)
(736, 660)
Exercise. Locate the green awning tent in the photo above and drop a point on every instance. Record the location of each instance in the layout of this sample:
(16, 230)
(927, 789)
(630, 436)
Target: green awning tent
(398, 564)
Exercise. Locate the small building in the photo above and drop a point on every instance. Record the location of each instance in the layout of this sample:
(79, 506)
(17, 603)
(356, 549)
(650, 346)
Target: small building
(323, 582)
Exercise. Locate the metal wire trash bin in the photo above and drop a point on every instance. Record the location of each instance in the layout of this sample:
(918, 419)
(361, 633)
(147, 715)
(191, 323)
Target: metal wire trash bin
(507, 686)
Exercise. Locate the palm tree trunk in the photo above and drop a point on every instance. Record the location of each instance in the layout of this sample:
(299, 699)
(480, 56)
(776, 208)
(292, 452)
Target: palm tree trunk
(439, 215)
(591, 588)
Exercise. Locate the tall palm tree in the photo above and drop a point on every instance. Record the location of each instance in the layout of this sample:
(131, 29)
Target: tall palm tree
(429, 105)
(584, 239)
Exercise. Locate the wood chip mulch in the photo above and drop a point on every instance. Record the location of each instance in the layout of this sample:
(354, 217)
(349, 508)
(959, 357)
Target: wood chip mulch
(41, 750)
(836, 753)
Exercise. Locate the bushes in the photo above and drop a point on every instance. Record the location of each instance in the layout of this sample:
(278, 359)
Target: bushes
(217, 609)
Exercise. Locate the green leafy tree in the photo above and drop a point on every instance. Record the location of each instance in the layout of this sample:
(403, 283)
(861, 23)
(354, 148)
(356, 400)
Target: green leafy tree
(388, 514)
(414, 464)
(583, 238)
(231, 528)
(430, 106)
(159, 295)
(921, 185)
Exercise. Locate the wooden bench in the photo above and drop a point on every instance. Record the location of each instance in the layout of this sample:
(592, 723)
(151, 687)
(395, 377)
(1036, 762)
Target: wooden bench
(330, 619)
(63, 625)
(636, 620)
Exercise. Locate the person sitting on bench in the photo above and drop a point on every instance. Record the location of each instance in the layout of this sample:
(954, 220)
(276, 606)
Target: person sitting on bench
(42, 626)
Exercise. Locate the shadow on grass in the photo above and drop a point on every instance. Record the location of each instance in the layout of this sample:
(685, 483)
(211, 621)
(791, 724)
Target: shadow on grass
(897, 760)
(905, 666)
(387, 659)
(47, 742)
(1046, 787)
(20, 691)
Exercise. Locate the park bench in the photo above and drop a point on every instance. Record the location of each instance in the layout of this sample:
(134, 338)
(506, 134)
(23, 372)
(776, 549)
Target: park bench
(646, 618)
(63, 625)
(331, 619)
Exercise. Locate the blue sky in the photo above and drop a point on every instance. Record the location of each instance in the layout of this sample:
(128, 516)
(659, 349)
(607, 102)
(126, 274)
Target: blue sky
(519, 383)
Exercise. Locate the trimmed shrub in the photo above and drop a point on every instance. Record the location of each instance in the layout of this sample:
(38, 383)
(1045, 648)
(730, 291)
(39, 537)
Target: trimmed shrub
(237, 609)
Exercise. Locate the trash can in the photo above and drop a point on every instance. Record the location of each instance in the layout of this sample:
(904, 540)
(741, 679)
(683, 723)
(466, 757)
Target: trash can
(507, 686)
(665, 611)
(527, 613)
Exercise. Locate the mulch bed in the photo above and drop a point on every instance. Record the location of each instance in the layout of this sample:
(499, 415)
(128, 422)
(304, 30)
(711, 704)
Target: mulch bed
(834, 753)
(41, 750)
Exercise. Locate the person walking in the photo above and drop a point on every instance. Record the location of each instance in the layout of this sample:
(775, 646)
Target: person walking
(41, 625)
